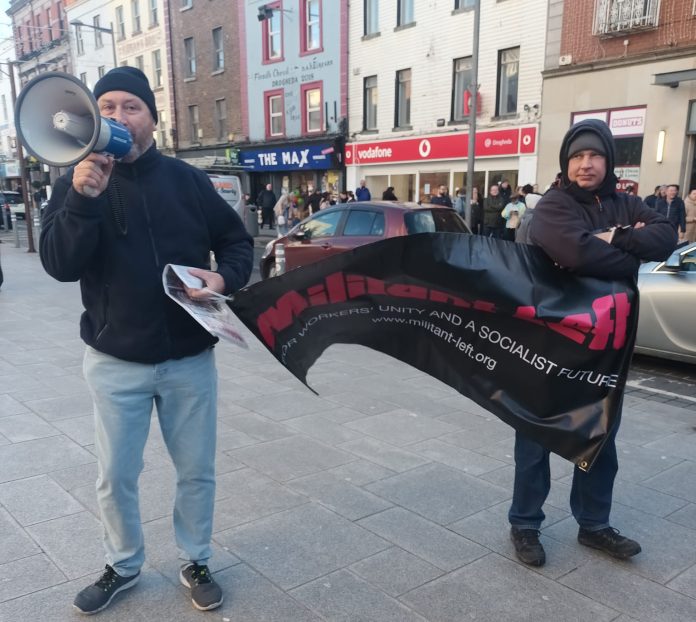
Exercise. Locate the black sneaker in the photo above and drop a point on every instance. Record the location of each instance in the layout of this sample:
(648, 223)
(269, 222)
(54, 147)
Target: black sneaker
(205, 593)
(610, 541)
(527, 546)
(98, 596)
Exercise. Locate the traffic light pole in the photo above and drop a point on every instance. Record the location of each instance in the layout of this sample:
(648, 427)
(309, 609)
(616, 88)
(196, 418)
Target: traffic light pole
(473, 111)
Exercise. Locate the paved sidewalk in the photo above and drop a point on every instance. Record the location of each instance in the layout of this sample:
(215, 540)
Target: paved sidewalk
(383, 499)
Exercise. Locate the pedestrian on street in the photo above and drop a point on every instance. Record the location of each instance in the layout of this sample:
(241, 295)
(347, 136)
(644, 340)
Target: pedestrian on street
(588, 228)
(512, 213)
(659, 193)
(690, 207)
(388, 194)
(351, 197)
(442, 197)
(362, 193)
(492, 206)
(673, 208)
(114, 226)
(266, 202)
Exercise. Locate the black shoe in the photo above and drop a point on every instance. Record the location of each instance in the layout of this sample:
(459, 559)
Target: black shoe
(205, 593)
(527, 546)
(610, 541)
(98, 596)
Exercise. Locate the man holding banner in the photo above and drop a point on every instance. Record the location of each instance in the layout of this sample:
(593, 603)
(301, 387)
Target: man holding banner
(588, 229)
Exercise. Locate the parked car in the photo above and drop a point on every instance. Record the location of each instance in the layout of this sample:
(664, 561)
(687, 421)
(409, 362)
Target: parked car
(12, 203)
(667, 305)
(343, 227)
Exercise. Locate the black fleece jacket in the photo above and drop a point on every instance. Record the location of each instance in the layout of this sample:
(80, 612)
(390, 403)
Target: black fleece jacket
(567, 218)
(173, 215)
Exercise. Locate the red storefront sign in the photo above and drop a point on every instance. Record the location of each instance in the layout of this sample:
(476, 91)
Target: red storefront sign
(489, 143)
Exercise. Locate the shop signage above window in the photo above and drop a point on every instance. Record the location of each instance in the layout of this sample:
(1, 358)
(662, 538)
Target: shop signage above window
(289, 158)
(621, 121)
(489, 144)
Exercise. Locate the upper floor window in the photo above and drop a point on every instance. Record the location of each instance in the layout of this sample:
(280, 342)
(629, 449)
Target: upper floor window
(79, 41)
(313, 117)
(135, 16)
(464, 4)
(273, 33)
(189, 58)
(371, 9)
(221, 120)
(154, 17)
(98, 43)
(402, 112)
(101, 70)
(404, 12)
(83, 77)
(156, 69)
(275, 115)
(186, 4)
(49, 24)
(370, 103)
(162, 128)
(460, 85)
(311, 25)
(218, 50)
(120, 23)
(621, 15)
(508, 74)
(140, 63)
(195, 132)
(59, 15)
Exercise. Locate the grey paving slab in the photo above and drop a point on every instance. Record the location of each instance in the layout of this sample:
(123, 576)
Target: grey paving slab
(26, 427)
(343, 597)
(470, 462)
(52, 408)
(401, 427)
(74, 477)
(641, 430)
(482, 434)
(685, 582)
(40, 456)
(246, 495)
(361, 401)
(686, 516)
(679, 481)
(66, 385)
(640, 463)
(493, 588)
(301, 544)
(323, 429)
(228, 439)
(437, 545)
(439, 493)
(361, 472)
(288, 458)
(73, 543)
(646, 499)
(15, 543)
(259, 427)
(28, 575)
(79, 429)
(339, 496)
(36, 499)
(635, 596)
(10, 406)
(287, 405)
(4, 440)
(395, 571)
(385, 454)
(343, 414)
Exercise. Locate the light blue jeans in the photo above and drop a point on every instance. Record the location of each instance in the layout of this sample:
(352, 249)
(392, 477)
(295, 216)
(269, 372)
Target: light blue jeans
(184, 392)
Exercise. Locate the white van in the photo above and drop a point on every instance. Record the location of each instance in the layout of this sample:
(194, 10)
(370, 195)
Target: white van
(229, 187)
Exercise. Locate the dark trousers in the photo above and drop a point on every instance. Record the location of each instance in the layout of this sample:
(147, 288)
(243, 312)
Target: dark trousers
(590, 495)
(492, 232)
(267, 216)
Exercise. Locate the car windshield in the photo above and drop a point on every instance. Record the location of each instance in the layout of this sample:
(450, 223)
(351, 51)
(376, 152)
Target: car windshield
(12, 199)
(431, 221)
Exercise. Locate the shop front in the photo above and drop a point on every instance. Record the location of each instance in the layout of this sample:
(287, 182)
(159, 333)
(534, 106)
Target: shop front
(417, 167)
(299, 166)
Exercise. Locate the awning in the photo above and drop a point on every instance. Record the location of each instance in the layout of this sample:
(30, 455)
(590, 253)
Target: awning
(673, 78)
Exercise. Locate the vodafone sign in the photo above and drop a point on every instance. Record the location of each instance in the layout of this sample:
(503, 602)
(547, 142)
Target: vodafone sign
(489, 144)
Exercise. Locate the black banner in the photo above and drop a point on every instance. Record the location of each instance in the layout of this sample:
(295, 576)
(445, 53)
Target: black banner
(544, 350)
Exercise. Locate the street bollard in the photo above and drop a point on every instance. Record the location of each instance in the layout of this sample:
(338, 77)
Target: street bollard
(279, 259)
(16, 230)
(37, 226)
(5, 218)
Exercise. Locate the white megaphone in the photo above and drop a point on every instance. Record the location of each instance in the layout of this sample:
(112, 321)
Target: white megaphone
(58, 122)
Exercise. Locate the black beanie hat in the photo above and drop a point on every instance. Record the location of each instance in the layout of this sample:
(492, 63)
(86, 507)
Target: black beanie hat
(131, 80)
(587, 141)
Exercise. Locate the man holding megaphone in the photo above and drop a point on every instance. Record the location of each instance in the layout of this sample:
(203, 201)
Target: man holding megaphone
(113, 225)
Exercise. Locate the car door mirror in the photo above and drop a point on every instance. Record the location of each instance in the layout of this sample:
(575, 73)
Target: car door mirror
(301, 234)
(674, 262)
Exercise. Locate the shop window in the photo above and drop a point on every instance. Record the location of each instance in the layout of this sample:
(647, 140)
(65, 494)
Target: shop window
(272, 28)
(370, 103)
(311, 25)
(404, 186)
(459, 181)
(430, 181)
(275, 115)
(371, 19)
(508, 74)
(313, 113)
(460, 83)
(402, 113)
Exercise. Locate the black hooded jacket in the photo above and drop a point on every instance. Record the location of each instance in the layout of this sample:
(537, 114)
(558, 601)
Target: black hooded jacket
(567, 219)
(173, 215)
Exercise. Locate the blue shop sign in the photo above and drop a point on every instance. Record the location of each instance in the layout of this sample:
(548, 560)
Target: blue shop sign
(296, 157)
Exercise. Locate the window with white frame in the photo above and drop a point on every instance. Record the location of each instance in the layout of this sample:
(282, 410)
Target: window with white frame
(98, 43)
(135, 16)
(371, 20)
(218, 49)
(221, 120)
(622, 15)
(140, 63)
(189, 58)
(273, 40)
(154, 17)
(508, 74)
(402, 113)
(120, 23)
(194, 125)
(312, 109)
(161, 128)
(101, 70)
(79, 41)
(275, 125)
(370, 103)
(404, 12)
(461, 80)
(312, 25)
(156, 69)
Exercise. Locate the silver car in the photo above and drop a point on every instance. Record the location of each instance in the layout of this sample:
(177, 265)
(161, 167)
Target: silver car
(666, 326)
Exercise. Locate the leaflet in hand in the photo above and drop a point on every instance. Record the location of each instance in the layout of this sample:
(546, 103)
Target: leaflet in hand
(212, 312)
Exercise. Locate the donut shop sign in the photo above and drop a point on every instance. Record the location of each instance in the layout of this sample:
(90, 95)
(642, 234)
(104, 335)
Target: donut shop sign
(454, 146)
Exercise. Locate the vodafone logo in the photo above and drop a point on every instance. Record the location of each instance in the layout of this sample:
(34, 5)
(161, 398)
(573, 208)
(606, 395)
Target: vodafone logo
(349, 154)
(424, 148)
(526, 140)
(487, 143)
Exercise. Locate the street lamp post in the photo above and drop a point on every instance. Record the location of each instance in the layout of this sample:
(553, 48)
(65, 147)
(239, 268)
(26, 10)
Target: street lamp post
(473, 111)
(109, 31)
